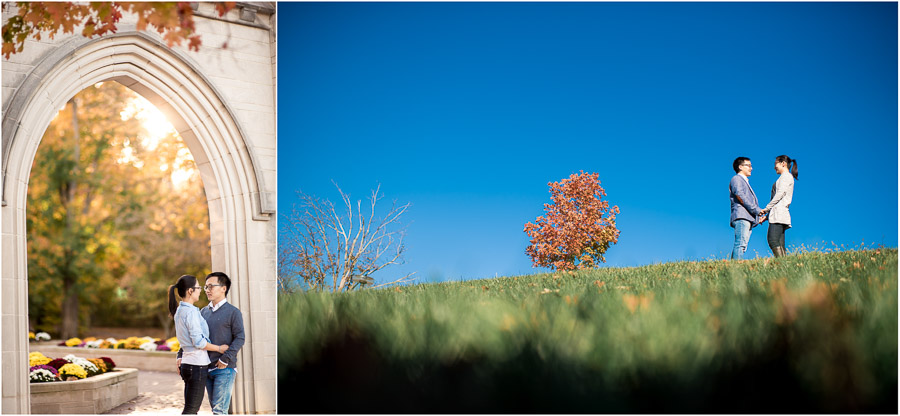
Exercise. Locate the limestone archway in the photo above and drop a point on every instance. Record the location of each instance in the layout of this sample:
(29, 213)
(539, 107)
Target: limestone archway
(241, 205)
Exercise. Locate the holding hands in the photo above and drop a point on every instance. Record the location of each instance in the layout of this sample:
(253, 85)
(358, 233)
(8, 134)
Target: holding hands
(762, 216)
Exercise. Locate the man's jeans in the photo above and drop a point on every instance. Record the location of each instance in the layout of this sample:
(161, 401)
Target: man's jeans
(218, 384)
(741, 239)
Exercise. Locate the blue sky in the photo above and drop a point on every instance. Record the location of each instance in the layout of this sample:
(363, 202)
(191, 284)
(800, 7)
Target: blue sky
(468, 110)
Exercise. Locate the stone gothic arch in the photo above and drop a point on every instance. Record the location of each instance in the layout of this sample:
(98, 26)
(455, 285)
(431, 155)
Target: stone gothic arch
(241, 201)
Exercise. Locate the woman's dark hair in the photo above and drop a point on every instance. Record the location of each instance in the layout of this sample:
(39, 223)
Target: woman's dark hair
(223, 280)
(182, 285)
(738, 162)
(791, 164)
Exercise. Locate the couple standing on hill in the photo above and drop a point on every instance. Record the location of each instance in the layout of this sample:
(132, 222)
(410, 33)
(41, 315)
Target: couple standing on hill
(210, 340)
(745, 211)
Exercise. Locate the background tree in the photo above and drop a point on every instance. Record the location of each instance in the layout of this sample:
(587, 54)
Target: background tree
(578, 227)
(107, 226)
(320, 249)
(173, 20)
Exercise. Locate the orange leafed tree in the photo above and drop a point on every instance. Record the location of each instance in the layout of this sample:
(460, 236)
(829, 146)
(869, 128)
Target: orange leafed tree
(174, 21)
(578, 228)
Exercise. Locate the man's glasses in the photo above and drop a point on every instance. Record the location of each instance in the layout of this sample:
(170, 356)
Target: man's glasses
(211, 285)
(747, 165)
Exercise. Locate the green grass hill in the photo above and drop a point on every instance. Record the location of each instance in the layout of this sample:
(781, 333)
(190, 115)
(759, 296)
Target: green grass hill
(813, 332)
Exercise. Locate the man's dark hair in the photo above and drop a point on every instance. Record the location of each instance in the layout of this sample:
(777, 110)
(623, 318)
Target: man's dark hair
(738, 162)
(222, 279)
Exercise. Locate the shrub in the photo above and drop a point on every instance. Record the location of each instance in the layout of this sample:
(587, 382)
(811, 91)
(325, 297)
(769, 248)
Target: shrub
(110, 364)
(45, 367)
(72, 370)
(93, 343)
(42, 374)
(173, 345)
(58, 363)
(88, 366)
(36, 355)
(42, 336)
(99, 363)
(37, 360)
(133, 343)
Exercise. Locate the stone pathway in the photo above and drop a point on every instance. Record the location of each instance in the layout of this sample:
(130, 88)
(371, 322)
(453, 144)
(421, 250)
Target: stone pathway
(159, 392)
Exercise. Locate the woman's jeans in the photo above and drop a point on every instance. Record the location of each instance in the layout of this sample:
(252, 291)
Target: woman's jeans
(218, 385)
(194, 377)
(776, 235)
(741, 239)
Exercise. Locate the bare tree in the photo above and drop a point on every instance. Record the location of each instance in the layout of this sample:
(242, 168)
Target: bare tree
(321, 249)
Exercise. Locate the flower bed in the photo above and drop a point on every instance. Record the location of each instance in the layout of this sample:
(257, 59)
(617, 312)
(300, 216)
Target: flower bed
(140, 359)
(40, 336)
(92, 395)
(69, 368)
(130, 343)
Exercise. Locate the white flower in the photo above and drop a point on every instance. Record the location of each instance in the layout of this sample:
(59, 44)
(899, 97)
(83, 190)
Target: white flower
(41, 375)
(42, 336)
(83, 362)
(93, 344)
(148, 346)
(88, 366)
(112, 341)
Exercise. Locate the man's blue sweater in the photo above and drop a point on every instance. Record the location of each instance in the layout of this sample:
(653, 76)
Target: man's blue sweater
(226, 327)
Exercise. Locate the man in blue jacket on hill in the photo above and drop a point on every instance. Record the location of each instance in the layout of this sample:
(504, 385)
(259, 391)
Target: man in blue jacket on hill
(226, 327)
(744, 206)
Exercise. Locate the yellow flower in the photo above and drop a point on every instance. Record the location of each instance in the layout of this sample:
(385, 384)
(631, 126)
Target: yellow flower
(30, 335)
(37, 359)
(133, 343)
(72, 342)
(72, 370)
(101, 365)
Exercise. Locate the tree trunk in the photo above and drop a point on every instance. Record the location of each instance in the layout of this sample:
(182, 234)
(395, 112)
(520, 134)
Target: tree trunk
(167, 325)
(76, 136)
(69, 309)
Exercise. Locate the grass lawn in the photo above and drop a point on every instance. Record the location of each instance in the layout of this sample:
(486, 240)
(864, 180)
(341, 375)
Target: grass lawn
(812, 332)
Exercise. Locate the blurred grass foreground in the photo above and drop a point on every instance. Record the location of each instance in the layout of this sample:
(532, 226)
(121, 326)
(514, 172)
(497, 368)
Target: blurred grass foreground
(807, 333)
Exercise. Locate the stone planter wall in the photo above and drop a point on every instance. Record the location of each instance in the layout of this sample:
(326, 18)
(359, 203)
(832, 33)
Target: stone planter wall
(93, 395)
(142, 360)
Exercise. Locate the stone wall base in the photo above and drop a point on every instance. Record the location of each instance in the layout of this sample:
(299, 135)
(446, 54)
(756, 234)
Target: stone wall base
(93, 395)
(142, 360)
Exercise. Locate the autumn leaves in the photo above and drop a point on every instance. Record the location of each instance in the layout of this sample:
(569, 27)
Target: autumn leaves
(578, 228)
